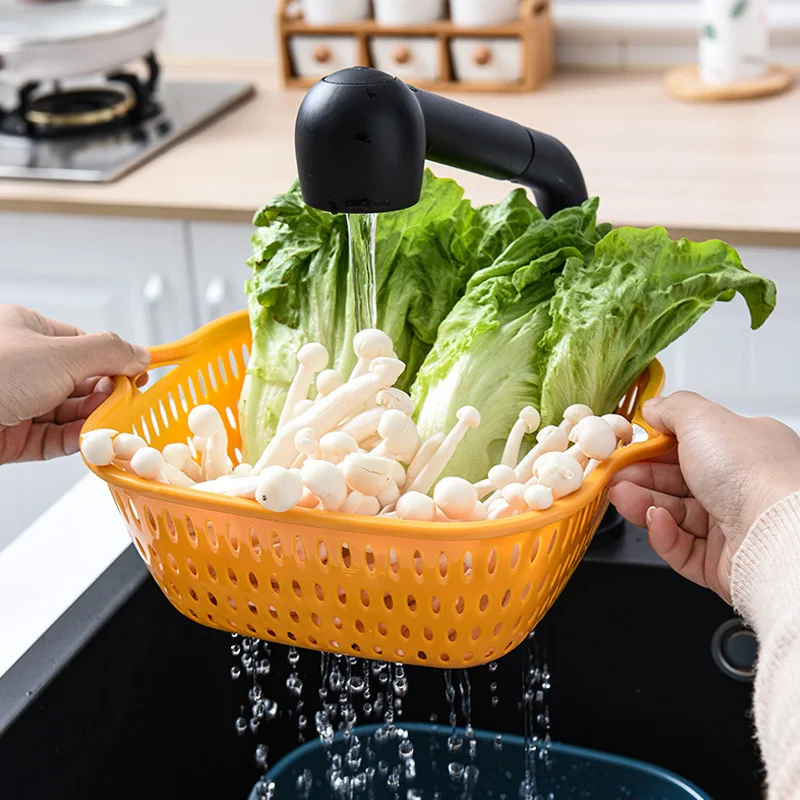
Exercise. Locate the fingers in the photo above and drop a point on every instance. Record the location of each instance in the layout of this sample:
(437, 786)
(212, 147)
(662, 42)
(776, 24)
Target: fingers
(48, 440)
(666, 478)
(102, 354)
(633, 502)
(673, 413)
(676, 547)
(55, 328)
(74, 408)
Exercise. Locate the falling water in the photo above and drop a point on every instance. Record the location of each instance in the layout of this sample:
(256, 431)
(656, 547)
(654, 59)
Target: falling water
(361, 236)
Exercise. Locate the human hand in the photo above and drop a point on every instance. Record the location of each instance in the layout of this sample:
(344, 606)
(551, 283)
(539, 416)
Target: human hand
(699, 501)
(52, 377)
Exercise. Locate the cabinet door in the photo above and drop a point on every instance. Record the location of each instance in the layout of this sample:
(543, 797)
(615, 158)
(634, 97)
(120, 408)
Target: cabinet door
(129, 276)
(754, 373)
(219, 255)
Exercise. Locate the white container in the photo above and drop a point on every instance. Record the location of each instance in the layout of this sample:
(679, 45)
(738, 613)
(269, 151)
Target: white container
(473, 13)
(317, 56)
(408, 12)
(409, 58)
(734, 40)
(487, 60)
(331, 12)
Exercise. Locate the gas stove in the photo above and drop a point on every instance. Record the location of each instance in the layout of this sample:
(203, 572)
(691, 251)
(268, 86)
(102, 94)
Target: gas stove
(97, 133)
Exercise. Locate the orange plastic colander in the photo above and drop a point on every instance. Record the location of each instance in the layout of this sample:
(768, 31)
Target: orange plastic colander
(444, 594)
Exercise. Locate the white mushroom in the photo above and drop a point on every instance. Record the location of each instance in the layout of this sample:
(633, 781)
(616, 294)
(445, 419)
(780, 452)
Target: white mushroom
(311, 358)
(468, 417)
(500, 509)
(148, 463)
(456, 497)
(549, 440)
(327, 381)
(573, 415)
(329, 411)
(389, 496)
(416, 506)
(367, 473)
(538, 497)
(479, 513)
(230, 486)
(353, 502)
(307, 499)
(369, 344)
(395, 399)
(369, 507)
(560, 472)
(205, 421)
(279, 489)
(301, 408)
(595, 437)
(514, 495)
(306, 443)
(399, 437)
(364, 425)
(97, 448)
(126, 444)
(623, 429)
(528, 422)
(242, 470)
(180, 456)
(335, 445)
(399, 475)
(326, 482)
(500, 475)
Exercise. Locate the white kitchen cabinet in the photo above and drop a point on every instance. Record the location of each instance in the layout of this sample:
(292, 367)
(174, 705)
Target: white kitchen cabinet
(756, 373)
(126, 275)
(219, 253)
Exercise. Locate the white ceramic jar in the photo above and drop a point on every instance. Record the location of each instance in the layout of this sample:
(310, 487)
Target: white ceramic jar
(734, 40)
(473, 13)
(408, 12)
(330, 12)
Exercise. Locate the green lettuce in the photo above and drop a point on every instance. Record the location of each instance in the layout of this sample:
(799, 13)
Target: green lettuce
(640, 292)
(300, 290)
(486, 351)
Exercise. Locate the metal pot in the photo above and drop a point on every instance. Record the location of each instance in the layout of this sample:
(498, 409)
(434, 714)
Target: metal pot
(73, 38)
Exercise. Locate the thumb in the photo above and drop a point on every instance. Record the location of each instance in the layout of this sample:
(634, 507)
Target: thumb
(102, 354)
(672, 414)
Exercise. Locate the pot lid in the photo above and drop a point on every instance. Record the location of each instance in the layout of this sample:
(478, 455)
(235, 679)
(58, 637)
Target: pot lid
(24, 25)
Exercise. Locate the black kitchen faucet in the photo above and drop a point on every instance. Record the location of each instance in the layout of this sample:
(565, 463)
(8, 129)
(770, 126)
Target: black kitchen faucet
(362, 137)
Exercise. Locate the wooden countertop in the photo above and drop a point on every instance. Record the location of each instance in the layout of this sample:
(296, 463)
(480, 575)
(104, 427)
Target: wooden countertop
(731, 171)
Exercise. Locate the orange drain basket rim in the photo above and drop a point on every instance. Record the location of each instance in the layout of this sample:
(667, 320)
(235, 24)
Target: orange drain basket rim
(125, 391)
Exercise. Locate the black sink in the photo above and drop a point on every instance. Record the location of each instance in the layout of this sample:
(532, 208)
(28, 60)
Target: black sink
(124, 698)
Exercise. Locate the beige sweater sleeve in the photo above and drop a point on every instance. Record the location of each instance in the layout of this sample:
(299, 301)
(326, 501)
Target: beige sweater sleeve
(765, 585)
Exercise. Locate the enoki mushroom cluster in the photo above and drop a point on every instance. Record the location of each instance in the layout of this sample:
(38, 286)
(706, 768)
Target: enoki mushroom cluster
(354, 448)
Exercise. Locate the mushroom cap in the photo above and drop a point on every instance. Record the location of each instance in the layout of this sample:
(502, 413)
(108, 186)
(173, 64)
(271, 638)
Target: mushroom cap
(335, 445)
(242, 470)
(147, 462)
(416, 506)
(514, 495)
(399, 474)
(106, 433)
(387, 369)
(325, 481)
(389, 495)
(328, 380)
(200, 443)
(279, 489)
(469, 415)
(313, 357)
(98, 450)
(530, 416)
(545, 432)
(368, 507)
(371, 343)
(301, 406)
(539, 497)
(576, 412)
(456, 497)
(306, 442)
(205, 421)
(176, 454)
(595, 437)
(501, 475)
(126, 444)
(623, 429)
(396, 399)
(367, 473)
(394, 424)
(560, 472)
(556, 440)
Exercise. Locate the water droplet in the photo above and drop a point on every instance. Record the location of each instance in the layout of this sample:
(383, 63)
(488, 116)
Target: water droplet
(413, 794)
(270, 709)
(236, 650)
(498, 742)
(356, 684)
(471, 774)
(455, 770)
(367, 709)
(393, 781)
(383, 768)
(406, 748)
(492, 687)
(236, 673)
(434, 718)
(294, 685)
(302, 722)
(241, 725)
(400, 687)
(336, 681)
(263, 667)
(495, 702)
(293, 657)
(454, 743)
(360, 782)
(261, 755)
(383, 678)
(450, 693)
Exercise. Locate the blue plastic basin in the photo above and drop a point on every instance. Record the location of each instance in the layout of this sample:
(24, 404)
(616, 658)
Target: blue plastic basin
(572, 773)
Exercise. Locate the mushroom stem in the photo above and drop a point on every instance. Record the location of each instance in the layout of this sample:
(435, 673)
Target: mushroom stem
(423, 456)
(363, 425)
(528, 422)
(311, 358)
(230, 486)
(555, 440)
(368, 344)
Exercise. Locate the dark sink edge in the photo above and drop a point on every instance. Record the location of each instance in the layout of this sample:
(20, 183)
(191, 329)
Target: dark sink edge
(53, 651)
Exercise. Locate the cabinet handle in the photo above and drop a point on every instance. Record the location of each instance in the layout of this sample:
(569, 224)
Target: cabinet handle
(152, 294)
(214, 297)
(402, 55)
(482, 56)
(322, 54)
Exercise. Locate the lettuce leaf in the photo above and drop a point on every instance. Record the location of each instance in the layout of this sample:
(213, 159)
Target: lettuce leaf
(640, 292)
